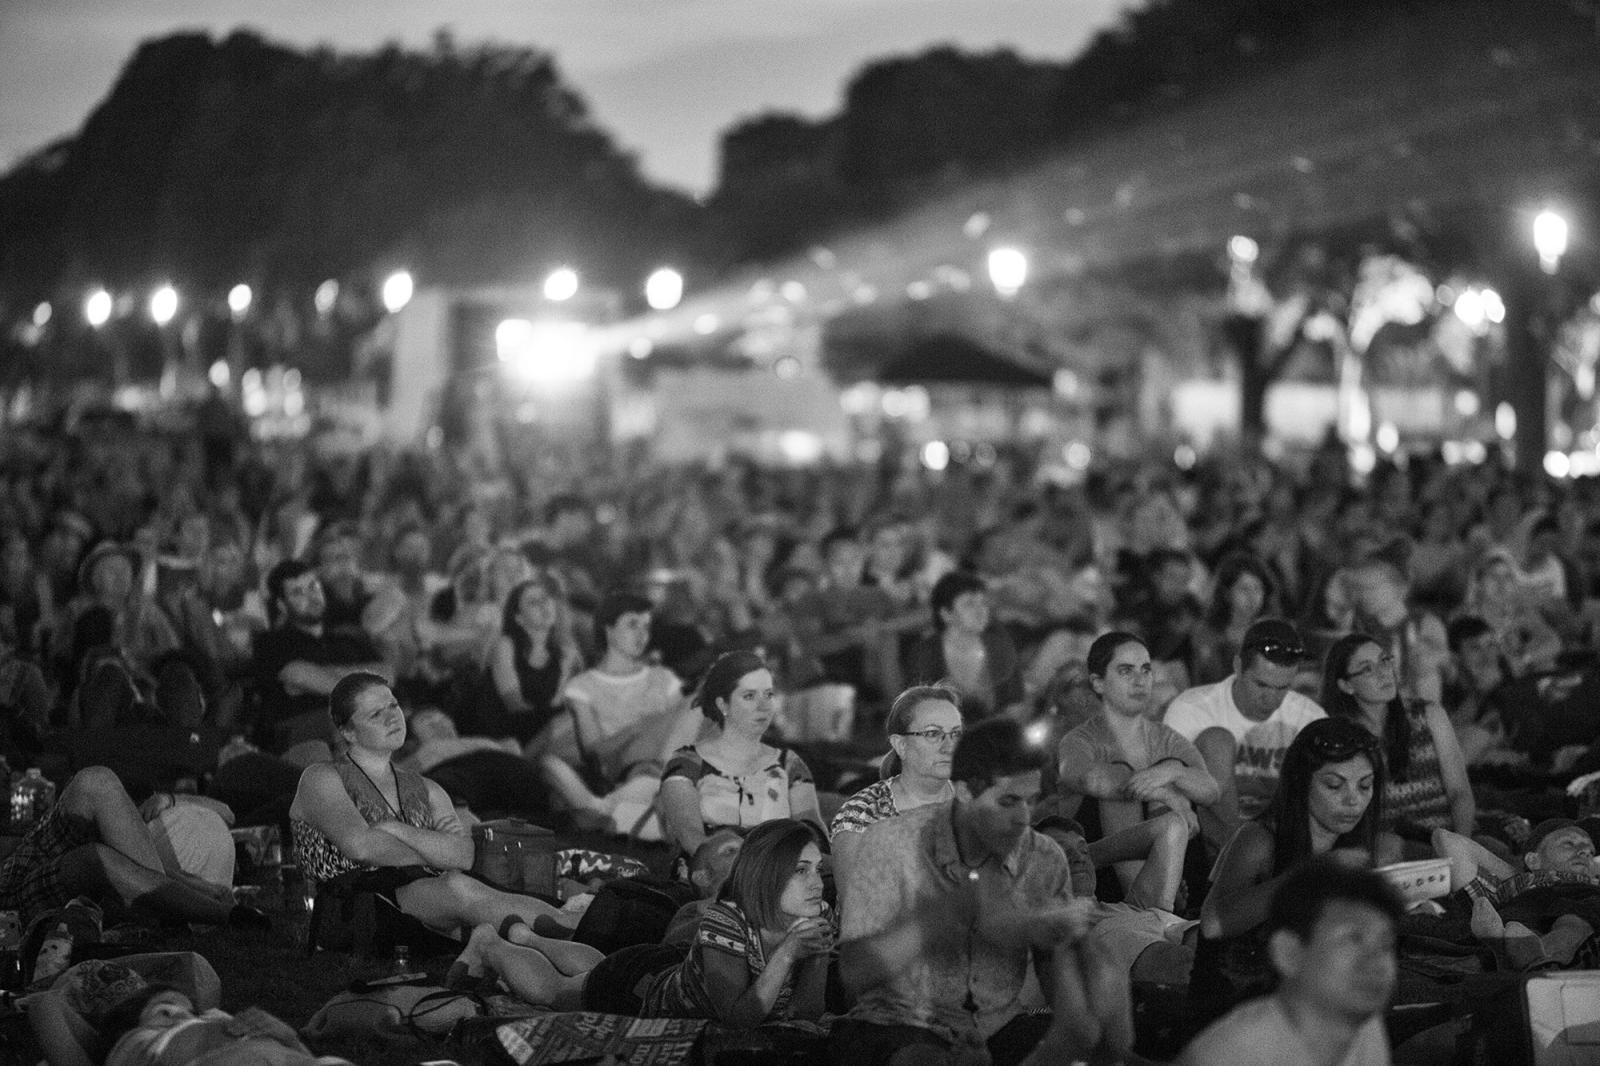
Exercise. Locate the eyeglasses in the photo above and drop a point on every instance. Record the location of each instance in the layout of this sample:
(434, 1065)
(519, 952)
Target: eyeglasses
(1383, 662)
(1278, 652)
(936, 736)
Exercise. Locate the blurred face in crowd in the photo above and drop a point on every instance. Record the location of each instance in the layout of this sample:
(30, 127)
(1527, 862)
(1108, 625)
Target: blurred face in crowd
(1375, 591)
(111, 580)
(1340, 795)
(924, 756)
(303, 602)
(1347, 964)
(748, 709)
(1479, 658)
(1246, 597)
(222, 570)
(1370, 676)
(629, 635)
(1171, 582)
(1259, 688)
(537, 610)
(1001, 813)
(1567, 851)
(1497, 583)
(339, 562)
(889, 549)
(1128, 680)
(968, 613)
(412, 552)
(194, 534)
(845, 558)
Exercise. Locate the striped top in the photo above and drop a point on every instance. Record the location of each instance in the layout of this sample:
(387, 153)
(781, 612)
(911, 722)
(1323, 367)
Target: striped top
(1420, 799)
(868, 807)
(681, 992)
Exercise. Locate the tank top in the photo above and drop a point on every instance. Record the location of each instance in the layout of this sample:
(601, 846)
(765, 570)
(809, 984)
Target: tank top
(1420, 799)
(318, 857)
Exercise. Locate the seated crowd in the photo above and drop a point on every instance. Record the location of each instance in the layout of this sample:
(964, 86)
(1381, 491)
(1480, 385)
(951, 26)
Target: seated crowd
(1154, 729)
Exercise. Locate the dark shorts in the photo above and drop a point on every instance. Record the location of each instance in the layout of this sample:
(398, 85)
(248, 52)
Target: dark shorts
(30, 880)
(385, 881)
(613, 986)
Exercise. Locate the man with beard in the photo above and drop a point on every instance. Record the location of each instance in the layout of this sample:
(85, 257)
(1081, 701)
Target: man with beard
(299, 661)
(1333, 935)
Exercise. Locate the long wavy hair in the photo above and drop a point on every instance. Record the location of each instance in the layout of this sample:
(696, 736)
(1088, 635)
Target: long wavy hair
(1321, 743)
(560, 635)
(1341, 704)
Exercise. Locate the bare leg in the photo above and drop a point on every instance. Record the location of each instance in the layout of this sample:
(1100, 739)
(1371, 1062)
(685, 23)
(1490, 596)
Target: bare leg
(1118, 817)
(1162, 872)
(570, 787)
(525, 970)
(95, 794)
(453, 900)
(570, 958)
(95, 868)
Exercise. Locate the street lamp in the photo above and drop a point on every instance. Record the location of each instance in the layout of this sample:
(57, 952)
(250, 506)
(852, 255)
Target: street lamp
(1008, 270)
(97, 308)
(163, 305)
(239, 298)
(663, 289)
(397, 290)
(1550, 239)
(562, 284)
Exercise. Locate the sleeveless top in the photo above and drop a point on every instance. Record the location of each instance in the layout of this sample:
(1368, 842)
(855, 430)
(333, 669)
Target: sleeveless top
(1420, 799)
(540, 688)
(319, 858)
(744, 800)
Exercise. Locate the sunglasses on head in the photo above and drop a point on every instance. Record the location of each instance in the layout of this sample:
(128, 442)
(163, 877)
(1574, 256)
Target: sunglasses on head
(1279, 652)
(1344, 744)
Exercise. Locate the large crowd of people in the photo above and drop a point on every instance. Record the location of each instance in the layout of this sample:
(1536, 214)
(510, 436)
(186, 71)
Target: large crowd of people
(1144, 724)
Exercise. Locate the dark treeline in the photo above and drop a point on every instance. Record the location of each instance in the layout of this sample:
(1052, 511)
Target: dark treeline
(212, 162)
(241, 160)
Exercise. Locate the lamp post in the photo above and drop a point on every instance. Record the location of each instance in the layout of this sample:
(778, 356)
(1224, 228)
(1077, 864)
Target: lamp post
(1531, 317)
(163, 309)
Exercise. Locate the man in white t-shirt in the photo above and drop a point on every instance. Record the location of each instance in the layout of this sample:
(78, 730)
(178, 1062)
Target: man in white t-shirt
(1332, 935)
(1244, 723)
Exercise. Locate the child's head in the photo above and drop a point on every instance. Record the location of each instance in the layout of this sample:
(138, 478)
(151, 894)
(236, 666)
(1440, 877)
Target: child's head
(152, 1007)
(713, 861)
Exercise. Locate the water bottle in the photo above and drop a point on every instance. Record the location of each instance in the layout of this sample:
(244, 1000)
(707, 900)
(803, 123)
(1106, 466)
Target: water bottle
(402, 960)
(31, 797)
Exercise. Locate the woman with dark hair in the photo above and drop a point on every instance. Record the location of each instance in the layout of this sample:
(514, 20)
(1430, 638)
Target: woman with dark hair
(533, 659)
(733, 778)
(1329, 802)
(760, 953)
(965, 651)
(1426, 773)
(1146, 778)
(923, 726)
(1243, 591)
(362, 812)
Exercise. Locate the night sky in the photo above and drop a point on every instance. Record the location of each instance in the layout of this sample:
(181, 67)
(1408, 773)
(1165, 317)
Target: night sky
(664, 76)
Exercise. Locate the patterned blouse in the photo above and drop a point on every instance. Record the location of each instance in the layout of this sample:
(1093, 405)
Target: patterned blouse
(741, 800)
(868, 807)
(320, 859)
(681, 991)
(1420, 799)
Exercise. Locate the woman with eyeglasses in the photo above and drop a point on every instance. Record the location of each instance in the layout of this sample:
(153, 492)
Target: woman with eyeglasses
(1329, 802)
(734, 778)
(1425, 770)
(923, 725)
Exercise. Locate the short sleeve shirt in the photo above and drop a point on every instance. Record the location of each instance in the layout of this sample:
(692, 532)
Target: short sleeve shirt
(962, 987)
(1093, 742)
(743, 800)
(1260, 746)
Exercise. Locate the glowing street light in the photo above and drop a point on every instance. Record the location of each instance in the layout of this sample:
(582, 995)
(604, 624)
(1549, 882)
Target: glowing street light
(239, 299)
(42, 313)
(663, 289)
(97, 308)
(397, 290)
(1550, 239)
(163, 305)
(1008, 270)
(562, 284)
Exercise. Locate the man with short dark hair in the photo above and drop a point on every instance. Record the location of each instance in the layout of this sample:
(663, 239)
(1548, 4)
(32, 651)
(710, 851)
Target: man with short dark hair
(1332, 932)
(1244, 723)
(298, 661)
(943, 909)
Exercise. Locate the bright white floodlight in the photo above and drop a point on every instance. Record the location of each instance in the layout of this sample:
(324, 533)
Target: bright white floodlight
(397, 290)
(239, 298)
(562, 284)
(97, 308)
(1550, 239)
(1008, 270)
(163, 305)
(663, 289)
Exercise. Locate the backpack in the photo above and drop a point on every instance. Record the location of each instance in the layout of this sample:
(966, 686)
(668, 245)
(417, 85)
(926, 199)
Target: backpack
(631, 910)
